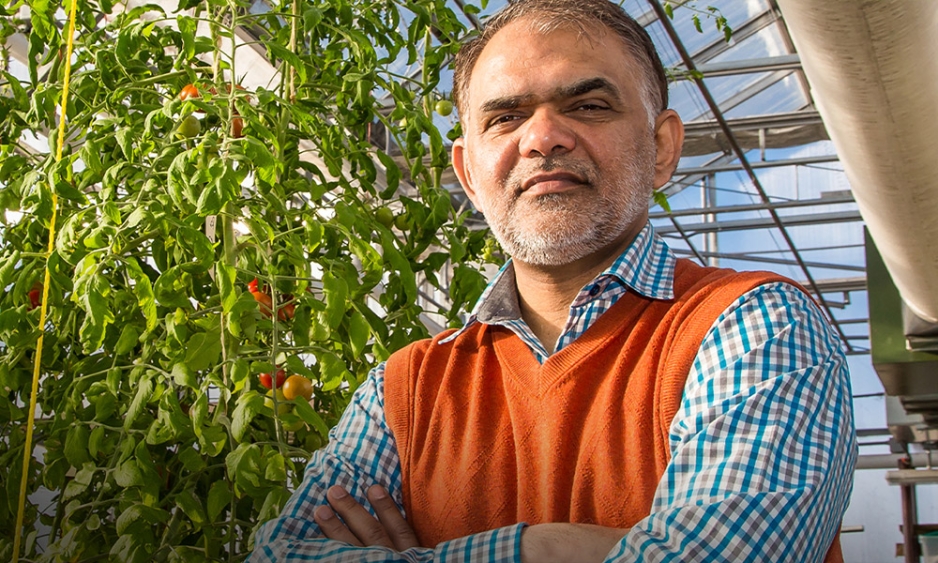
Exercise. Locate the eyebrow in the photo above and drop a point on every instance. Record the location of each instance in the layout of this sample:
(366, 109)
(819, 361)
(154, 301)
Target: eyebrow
(586, 86)
(563, 92)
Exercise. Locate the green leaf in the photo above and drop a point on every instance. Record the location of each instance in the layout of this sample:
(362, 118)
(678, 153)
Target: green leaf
(219, 496)
(311, 417)
(359, 332)
(127, 341)
(243, 465)
(334, 371)
(6, 271)
(192, 507)
(225, 276)
(76, 445)
(392, 174)
(187, 27)
(280, 52)
(401, 265)
(669, 10)
(96, 441)
(247, 407)
(273, 504)
(40, 12)
(198, 411)
(191, 460)
(204, 350)
(144, 390)
(336, 293)
(276, 469)
(662, 200)
(240, 371)
(183, 376)
(128, 474)
(140, 511)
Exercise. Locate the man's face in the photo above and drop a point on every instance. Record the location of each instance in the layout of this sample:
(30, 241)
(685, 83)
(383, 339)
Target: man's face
(558, 151)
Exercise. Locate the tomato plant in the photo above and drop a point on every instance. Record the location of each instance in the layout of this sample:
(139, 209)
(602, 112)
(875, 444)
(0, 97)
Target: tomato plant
(153, 438)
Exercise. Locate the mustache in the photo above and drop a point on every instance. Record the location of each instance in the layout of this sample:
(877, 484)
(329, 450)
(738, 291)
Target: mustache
(587, 171)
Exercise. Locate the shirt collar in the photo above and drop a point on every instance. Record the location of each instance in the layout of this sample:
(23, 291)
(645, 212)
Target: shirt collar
(646, 267)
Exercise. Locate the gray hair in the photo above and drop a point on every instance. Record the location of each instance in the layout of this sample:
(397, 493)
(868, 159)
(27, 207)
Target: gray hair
(586, 15)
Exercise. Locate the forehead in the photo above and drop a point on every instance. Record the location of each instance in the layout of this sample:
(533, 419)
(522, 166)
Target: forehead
(525, 59)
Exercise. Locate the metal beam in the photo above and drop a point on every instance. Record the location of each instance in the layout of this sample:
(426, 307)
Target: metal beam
(788, 119)
(748, 66)
(713, 169)
(741, 256)
(752, 207)
(765, 223)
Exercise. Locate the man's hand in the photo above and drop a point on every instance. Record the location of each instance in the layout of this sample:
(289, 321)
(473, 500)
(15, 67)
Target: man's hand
(360, 527)
(544, 543)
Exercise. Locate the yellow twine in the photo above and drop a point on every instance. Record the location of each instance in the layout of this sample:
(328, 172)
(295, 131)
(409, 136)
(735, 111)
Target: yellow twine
(28, 447)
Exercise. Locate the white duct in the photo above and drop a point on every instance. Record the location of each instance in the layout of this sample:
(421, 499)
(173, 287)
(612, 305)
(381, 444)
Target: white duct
(873, 70)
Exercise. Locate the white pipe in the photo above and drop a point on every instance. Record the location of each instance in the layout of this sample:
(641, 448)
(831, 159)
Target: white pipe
(890, 461)
(873, 70)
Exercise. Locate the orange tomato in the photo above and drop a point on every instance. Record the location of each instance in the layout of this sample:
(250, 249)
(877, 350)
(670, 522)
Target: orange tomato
(266, 303)
(189, 91)
(297, 386)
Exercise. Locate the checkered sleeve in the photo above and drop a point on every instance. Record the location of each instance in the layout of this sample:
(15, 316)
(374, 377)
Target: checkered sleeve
(763, 446)
(361, 452)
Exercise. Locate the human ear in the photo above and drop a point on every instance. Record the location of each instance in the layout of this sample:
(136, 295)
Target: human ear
(463, 172)
(669, 139)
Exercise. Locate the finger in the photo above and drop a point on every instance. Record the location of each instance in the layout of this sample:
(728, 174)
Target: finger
(366, 528)
(332, 527)
(395, 526)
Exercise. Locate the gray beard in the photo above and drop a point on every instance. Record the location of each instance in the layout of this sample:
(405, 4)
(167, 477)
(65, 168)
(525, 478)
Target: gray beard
(574, 232)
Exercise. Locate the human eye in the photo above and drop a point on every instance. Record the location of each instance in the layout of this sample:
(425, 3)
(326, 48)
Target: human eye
(502, 120)
(591, 106)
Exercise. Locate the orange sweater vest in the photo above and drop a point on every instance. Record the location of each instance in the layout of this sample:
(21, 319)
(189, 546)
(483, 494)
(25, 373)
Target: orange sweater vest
(488, 437)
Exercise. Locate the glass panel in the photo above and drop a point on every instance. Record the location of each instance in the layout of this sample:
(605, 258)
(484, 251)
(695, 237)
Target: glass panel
(783, 96)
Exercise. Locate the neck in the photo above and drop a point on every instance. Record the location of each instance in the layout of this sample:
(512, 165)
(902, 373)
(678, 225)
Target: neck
(546, 292)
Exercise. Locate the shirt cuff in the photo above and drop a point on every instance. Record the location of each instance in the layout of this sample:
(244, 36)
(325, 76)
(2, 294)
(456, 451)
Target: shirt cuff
(502, 545)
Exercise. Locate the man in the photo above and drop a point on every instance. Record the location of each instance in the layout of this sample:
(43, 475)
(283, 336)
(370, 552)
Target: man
(605, 401)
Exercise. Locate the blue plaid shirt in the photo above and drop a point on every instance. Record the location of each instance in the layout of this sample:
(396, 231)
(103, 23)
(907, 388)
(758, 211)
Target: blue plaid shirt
(763, 446)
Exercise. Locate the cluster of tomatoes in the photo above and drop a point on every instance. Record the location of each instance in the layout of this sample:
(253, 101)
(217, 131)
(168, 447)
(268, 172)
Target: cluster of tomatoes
(266, 302)
(191, 125)
(292, 387)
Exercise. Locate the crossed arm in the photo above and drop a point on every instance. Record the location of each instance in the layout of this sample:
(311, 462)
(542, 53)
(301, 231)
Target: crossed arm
(762, 458)
(541, 543)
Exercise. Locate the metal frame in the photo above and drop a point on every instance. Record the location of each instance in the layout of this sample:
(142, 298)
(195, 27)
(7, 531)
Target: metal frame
(690, 64)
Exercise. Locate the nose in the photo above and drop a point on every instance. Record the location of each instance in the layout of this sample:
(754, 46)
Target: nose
(544, 133)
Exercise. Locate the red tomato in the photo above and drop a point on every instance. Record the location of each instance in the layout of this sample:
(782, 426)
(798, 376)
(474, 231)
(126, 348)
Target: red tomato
(266, 380)
(237, 127)
(286, 311)
(35, 296)
(252, 286)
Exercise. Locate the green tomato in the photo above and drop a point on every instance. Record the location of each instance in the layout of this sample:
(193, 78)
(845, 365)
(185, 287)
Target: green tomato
(402, 221)
(189, 127)
(385, 216)
(444, 107)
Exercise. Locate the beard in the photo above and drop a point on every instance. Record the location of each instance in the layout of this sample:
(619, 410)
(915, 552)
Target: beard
(559, 228)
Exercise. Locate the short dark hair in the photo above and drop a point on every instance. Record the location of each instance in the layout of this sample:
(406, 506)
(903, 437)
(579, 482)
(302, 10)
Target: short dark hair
(548, 15)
